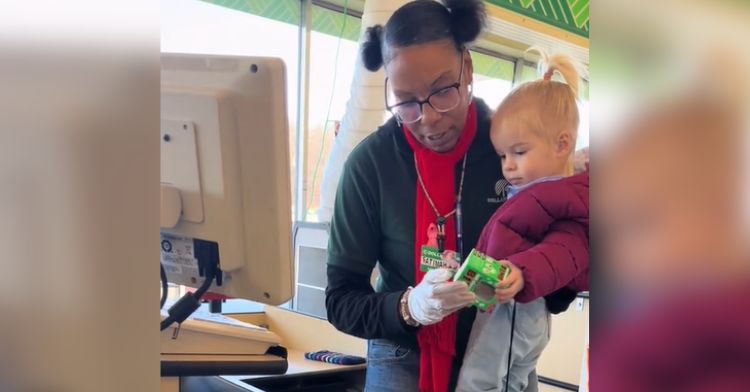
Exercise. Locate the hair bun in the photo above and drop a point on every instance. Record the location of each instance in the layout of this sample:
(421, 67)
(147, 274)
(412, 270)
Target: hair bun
(467, 18)
(372, 53)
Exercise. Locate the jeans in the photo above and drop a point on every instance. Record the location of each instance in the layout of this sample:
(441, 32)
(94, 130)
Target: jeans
(391, 368)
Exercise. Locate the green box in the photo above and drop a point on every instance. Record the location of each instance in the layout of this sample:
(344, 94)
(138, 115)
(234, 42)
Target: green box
(482, 273)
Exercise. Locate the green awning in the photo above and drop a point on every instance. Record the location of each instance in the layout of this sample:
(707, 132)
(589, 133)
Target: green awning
(288, 11)
(569, 15)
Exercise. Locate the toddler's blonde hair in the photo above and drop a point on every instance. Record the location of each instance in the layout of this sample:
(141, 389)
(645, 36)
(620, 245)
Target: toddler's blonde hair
(546, 107)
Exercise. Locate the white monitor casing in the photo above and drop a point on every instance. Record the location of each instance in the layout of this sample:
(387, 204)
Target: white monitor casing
(225, 147)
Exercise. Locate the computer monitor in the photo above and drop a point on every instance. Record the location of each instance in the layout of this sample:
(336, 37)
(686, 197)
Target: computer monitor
(225, 173)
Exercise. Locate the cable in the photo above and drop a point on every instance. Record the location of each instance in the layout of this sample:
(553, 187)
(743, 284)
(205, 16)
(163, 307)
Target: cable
(167, 322)
(164, 286)
(207, 255)
(330, 103)
(206, 284)
(510, 347)
(188, 304)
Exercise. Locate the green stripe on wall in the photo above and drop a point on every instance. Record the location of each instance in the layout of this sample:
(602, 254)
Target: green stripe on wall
(583, 18)
(562, 13)
(569, 15)
(330, 22)
(577, 6)
(288, 11)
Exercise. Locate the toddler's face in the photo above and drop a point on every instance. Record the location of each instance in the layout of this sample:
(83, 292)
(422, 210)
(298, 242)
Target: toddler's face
(526, 156)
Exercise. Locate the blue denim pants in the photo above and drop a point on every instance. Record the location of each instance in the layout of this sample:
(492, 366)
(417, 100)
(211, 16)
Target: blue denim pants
(391, 368)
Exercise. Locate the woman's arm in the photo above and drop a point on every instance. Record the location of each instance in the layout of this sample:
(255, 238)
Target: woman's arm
(354, 308)
(353, 250)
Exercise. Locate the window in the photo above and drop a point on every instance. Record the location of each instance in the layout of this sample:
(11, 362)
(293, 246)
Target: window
(583, 115)
(493, 78)
(528, 73)
(333, 53)
(201, 27)
(205, 28)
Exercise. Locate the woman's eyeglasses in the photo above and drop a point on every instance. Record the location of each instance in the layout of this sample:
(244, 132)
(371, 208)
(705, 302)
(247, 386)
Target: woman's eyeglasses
(443, 100)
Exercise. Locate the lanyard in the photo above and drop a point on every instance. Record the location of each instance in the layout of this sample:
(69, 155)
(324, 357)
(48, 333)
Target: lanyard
(459, 232)
(441, 219)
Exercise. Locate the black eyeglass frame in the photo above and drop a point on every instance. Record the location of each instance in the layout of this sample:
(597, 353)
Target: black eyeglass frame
(421, 103)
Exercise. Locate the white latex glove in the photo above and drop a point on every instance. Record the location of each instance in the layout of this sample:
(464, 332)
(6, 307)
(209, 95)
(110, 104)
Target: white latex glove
(437, 296)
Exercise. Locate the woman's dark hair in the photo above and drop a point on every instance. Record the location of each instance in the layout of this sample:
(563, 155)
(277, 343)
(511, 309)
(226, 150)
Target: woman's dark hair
(420, 22)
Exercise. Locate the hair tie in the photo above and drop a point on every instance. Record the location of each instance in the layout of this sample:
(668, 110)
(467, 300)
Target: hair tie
(548, 74)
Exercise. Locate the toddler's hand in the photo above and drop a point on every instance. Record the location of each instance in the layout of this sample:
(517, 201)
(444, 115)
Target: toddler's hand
(510, 286)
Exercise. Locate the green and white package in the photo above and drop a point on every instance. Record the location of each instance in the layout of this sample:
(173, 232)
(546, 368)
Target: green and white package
(482, 273)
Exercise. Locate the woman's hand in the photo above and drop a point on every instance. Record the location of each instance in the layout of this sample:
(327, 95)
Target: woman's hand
(436, 297)
(450, 260)
(510, 286)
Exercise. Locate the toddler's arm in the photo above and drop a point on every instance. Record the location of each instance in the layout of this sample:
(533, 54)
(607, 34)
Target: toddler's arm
(553, 263)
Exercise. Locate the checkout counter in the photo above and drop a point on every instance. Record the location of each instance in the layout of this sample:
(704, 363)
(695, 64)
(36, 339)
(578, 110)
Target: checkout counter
(299, 334)
(559, 368)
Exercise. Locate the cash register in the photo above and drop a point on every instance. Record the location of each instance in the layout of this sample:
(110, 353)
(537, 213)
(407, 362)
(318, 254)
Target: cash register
(225, 209)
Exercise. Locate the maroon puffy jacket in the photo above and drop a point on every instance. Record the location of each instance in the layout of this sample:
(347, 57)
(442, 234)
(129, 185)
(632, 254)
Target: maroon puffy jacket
(543, 230)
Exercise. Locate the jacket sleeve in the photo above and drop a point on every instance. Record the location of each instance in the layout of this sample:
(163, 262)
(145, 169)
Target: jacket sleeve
(554, 262)
(354, 308)
(352, 305)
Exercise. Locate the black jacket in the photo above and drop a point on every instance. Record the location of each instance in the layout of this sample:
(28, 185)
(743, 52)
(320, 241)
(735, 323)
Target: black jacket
(373, 222)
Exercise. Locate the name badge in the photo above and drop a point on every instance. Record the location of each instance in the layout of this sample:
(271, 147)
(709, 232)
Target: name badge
(430, 259)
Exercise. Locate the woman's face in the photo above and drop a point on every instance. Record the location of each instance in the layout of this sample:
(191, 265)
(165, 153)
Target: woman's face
(415, 72)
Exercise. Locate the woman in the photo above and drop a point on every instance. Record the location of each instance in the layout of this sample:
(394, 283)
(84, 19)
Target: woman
(407, 186)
